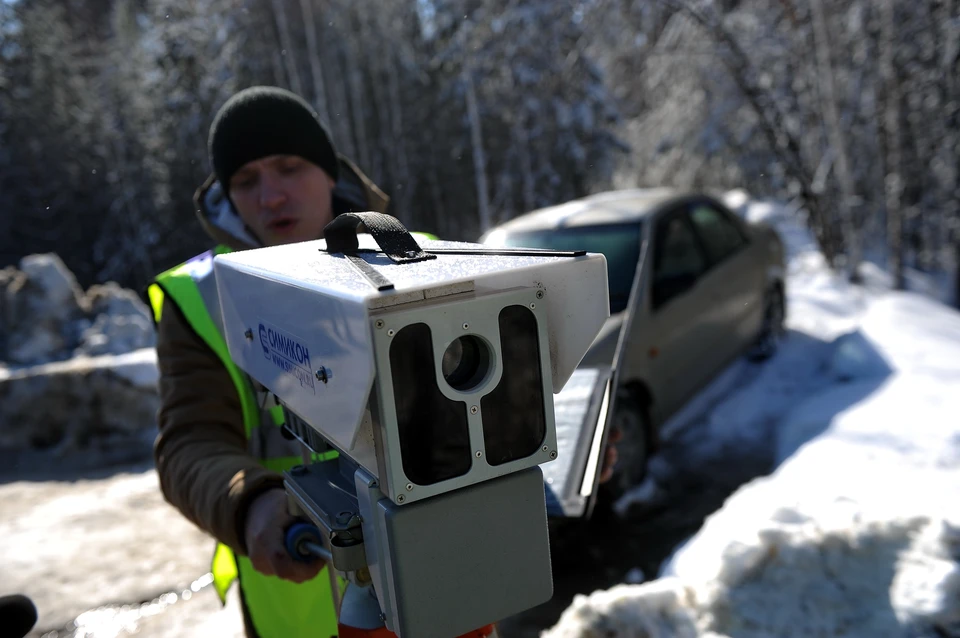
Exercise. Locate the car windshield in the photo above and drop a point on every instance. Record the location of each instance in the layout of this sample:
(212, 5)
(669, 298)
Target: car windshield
(619, 243)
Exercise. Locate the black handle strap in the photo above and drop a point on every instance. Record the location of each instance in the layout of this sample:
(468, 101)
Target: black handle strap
(394, 240)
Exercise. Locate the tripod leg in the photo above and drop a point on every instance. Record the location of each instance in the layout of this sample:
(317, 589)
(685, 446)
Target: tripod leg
(334, 588)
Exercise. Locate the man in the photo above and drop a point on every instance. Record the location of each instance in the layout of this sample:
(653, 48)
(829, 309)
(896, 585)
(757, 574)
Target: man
(219, 452)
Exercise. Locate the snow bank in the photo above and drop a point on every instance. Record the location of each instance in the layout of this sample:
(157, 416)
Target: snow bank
(86, 358)
(857, 531)
(833, 572)
(88, 404)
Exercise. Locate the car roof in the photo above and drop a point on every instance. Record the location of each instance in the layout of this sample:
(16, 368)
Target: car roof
(610, 207)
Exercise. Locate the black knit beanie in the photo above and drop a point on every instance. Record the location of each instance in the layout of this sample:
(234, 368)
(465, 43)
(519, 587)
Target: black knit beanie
(262, 121)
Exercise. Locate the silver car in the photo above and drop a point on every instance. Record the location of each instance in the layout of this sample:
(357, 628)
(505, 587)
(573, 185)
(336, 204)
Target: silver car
(692, 287)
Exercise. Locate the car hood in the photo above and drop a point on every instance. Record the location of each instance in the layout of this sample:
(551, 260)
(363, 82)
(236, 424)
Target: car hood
(603, 349)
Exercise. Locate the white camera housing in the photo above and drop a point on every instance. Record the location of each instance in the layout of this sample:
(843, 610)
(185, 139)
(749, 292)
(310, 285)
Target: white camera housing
(314, 329)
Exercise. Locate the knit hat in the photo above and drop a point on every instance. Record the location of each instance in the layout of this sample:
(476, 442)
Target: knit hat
(262, 121)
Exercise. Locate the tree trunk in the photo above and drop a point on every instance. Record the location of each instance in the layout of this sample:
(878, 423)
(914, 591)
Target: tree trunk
(951, 60)
(334, 66)
(390, 107)
(384, 159)
(893, 180)
(354, 76)
(277, 67)
(851, 234)
(479, 160)
(441, 220)
(289, 59)
(526, 164)
(313, 55)
(404, 179)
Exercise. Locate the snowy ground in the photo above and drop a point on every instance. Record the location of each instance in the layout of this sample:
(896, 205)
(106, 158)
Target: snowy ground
(107, 551)
(857, 530)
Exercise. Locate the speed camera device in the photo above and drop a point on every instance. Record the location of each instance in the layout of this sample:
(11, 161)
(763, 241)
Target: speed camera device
(429, 368)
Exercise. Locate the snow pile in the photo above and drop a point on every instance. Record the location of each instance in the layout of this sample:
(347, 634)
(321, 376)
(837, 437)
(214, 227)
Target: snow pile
(829, 573)
(857, 531)
(45, 315)
(89, 406)
(86, 357)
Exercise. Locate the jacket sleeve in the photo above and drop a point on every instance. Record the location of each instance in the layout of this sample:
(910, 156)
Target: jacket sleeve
(201, 449)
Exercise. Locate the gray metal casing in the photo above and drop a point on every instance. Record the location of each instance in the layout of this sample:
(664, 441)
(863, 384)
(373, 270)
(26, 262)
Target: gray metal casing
(456, 562)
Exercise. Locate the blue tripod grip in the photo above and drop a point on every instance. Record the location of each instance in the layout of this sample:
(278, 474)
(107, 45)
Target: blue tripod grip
(298, 533)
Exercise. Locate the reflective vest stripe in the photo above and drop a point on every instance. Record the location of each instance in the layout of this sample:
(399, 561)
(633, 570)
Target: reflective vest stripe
(276, 413)
(178, 283)
(155, 293)
(276, 607)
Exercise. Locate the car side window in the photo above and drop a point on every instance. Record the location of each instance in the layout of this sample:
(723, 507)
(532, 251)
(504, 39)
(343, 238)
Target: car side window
(678, 259)
(719, 234)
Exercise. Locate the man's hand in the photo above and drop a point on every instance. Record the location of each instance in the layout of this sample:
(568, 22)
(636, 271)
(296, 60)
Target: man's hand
(610, 455)
(266, 521)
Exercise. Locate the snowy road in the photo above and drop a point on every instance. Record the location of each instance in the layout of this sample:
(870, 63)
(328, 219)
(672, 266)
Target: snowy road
(106, 539)
(104, 550)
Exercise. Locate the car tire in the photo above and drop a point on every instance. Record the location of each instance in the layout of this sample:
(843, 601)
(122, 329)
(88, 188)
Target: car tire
(772, 330)
(633, 452)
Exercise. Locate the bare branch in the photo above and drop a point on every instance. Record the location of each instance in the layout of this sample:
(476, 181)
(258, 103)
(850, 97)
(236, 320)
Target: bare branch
(771, 118)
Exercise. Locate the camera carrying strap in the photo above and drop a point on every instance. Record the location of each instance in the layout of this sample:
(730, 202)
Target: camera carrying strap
(400, 247)
(394, 240)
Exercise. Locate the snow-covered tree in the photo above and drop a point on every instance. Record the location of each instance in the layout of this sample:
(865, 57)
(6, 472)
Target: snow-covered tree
(468, 112)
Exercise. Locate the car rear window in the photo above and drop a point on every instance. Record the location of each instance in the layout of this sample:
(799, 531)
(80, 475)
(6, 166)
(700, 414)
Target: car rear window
(619, 243)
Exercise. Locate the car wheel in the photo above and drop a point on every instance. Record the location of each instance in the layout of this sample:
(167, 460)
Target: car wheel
(633, 451)
(772, 329)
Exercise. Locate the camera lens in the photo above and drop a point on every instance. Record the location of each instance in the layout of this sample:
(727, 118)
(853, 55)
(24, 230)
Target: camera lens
(465, 363)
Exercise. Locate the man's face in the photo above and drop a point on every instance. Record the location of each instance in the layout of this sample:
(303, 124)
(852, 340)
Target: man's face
(283, 198)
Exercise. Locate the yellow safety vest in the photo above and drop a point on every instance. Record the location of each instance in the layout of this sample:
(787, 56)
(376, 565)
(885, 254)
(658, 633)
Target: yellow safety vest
(277, 607)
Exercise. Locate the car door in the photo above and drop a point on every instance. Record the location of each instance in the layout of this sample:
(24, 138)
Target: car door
(679, 319)
(734, 279)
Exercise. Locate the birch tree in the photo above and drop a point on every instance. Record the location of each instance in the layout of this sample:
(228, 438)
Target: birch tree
(893, 185)
(476, 144)
(287, 53)
(313, 58)
(838, 143)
